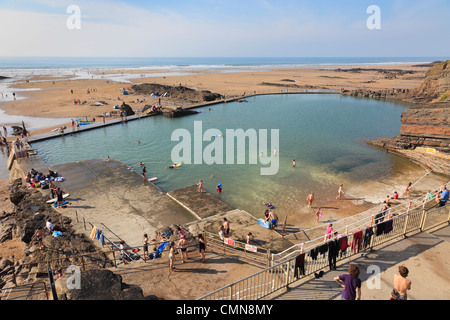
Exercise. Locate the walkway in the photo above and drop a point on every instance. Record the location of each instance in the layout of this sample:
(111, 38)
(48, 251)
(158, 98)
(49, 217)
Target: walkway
(424, 254)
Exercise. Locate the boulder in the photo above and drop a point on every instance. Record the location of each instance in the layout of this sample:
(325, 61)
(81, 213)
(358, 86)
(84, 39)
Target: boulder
(126, 109)
(97, 285)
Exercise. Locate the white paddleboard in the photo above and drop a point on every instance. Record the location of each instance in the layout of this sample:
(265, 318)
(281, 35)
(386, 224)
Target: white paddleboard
(152, 179)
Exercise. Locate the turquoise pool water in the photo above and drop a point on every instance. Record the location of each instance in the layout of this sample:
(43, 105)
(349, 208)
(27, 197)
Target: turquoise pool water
(325, 134)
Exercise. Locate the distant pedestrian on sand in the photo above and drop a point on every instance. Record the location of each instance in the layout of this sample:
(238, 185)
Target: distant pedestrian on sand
(200, 186)
(310, 199)
(401, 284)
(340, 192)
(351, 283)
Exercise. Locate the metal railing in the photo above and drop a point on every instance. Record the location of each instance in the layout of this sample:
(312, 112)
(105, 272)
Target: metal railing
(417, 203)
(281, 275)
(238, 250)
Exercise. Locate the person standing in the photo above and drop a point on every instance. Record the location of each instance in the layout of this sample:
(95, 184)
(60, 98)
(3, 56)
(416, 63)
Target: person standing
(310, 199)
(401, 284)
(318, 215)
(329, 231)
(226, 226)
(144, 171)
(59, 197)
(340, 192)
(443, 198)
(171, 256)
(202, 247)
(39, 234)
(145, 240)
(351, 283)
(183, 249)
(200, 186)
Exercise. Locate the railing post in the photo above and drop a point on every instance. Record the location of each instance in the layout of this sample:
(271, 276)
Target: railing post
(288, 269)
(424, 218)
(406, 225)
(114, 258)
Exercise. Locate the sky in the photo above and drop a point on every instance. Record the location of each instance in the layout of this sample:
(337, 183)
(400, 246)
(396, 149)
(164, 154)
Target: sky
(224, 28)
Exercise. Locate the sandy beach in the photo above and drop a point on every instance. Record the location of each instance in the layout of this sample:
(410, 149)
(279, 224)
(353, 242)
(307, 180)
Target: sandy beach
(51, 97)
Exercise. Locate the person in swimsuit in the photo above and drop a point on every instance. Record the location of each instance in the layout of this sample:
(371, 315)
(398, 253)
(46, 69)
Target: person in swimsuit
(202, 247)
(145, 240)
(340, 192)
(171, 256)
(183, 250)
(310, 199)
(200, 186)
(273, 219)
(226, 225)
(59, 197)
(407, 190)
(39, 234)
(318, 215)
(401, 284)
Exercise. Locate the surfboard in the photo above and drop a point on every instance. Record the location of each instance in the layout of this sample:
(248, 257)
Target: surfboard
(54, 199)
(178, 165)
(265, 224)
(152, 179)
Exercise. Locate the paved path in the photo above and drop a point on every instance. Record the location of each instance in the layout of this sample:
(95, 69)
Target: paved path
(424, 254)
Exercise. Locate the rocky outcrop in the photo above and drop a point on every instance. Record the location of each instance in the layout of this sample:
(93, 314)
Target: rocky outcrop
(176, 92)
(126, 109)
(436, 87)
(30, 213)
(426, 125)
(178, 112)
(98, 285)
(394, 93)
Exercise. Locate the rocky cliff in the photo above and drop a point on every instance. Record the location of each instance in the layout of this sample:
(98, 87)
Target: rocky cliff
(28, 212)
(436, 87)
(427, 123)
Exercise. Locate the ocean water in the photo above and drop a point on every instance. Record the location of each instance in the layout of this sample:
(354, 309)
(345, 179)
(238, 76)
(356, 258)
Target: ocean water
(186, 63)
(324, 133)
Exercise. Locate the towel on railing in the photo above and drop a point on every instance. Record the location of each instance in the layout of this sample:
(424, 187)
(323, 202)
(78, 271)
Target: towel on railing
(299, 264)
(102, 239)
(93, 232)
(333, 251)
(313, 253)
(356, 242)
(380, 229)
(388, 226)
(367, 236)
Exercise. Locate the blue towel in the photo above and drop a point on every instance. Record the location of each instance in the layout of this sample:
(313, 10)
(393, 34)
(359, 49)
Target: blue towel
(102, 239)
